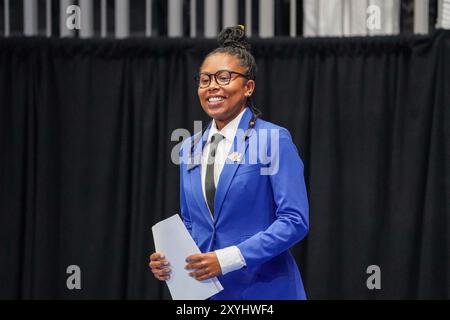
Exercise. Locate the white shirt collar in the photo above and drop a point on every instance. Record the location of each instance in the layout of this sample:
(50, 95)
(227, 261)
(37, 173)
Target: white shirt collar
(229, 131)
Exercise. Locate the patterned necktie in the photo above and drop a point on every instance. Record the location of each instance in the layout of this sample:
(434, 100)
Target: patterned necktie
(210, 187)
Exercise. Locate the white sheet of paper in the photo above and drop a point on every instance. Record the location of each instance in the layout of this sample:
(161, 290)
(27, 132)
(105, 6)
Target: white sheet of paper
(174, 241)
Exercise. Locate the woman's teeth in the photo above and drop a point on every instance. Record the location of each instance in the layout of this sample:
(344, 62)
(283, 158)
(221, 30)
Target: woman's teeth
(215, 99)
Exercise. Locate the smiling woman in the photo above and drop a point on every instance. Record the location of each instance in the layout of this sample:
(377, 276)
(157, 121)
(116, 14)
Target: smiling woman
(243, 219)
(223, 102)
(226, 79)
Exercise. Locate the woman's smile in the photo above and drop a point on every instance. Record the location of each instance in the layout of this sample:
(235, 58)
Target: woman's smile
(215, 100)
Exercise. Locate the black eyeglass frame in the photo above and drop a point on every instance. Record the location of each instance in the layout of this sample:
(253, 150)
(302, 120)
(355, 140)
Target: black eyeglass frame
(197, 78)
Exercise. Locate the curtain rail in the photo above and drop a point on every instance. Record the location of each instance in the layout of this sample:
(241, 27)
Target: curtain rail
(178, 15)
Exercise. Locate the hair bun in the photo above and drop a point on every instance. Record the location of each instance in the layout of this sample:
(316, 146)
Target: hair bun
(233, 37)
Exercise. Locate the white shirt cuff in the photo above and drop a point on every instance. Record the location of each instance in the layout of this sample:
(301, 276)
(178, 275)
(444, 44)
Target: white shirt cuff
(230, 259)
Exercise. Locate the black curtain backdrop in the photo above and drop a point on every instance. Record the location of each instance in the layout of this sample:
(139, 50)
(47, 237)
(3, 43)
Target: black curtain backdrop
(85, 166)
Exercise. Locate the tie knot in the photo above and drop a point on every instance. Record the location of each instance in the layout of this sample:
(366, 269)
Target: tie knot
(216, 138)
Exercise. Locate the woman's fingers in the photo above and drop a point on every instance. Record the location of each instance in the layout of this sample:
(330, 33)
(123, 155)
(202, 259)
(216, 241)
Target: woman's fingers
(199, 273)
(157, 260)
(203, 266)
(203, 277)
(162, 272)
(156, 256)
(162, 277)
(159, 266)
(200, 270)
(195, 265)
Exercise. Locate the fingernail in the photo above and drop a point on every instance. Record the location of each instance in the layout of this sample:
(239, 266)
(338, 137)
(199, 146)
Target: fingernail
(166, 263)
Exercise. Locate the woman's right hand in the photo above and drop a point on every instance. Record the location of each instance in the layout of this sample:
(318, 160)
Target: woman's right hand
(159, 266)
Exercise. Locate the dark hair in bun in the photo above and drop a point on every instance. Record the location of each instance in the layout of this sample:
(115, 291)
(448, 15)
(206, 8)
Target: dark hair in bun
(232, 40)
(233, 37)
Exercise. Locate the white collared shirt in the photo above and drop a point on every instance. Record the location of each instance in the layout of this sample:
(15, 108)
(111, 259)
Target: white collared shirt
(230, 258)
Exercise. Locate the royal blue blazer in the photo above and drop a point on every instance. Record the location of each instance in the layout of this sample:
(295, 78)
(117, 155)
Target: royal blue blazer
(263, 215)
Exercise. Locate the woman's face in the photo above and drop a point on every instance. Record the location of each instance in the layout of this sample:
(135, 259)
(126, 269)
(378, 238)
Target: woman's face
(224, 102)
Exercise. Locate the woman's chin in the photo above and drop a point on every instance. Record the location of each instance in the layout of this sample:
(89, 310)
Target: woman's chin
(216, 112)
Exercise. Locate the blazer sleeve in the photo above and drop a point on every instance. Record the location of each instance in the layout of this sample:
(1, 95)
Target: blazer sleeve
(290, 196)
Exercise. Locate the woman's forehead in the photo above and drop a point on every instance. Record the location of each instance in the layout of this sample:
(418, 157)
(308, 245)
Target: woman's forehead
(221, 61)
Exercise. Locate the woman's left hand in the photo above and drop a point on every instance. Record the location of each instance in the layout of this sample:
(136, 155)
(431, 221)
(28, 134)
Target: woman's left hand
(203, 266)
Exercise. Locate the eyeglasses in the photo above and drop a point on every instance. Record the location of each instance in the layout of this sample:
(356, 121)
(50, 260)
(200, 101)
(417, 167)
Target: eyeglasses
(222, 77)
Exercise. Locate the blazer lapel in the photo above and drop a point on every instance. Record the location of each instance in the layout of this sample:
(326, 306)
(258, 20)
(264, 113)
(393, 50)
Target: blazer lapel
(194, 169)
(230, 166)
